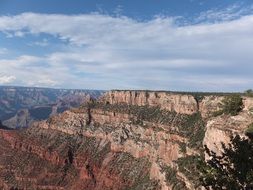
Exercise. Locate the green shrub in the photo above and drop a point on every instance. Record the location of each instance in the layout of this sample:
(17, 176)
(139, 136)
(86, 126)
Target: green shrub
(171, 178)
(193, 128)
(249, 93)
(232, 104)
(183, 147)
(218, 113)
(232, 169)
(249, 131)
(189, 166)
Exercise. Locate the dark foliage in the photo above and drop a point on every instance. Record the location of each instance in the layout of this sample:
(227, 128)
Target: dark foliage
(231, 104)
(189, 166)
(172, 180)
(233, 169)
(249, 131)
(249, 93)
(192, 127)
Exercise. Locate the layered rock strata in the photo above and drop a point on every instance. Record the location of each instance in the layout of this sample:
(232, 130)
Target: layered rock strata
(126, 140)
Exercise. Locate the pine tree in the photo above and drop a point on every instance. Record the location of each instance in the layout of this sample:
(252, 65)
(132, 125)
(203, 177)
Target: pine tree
(233, 169)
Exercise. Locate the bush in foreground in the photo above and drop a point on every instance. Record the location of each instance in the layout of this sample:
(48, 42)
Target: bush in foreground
(232, 170)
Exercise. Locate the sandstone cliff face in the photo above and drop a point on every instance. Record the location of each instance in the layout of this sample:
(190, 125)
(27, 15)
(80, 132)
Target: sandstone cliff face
(209, 105)
(128, 140)
(185, 104)
(220, 129)
(248, 104)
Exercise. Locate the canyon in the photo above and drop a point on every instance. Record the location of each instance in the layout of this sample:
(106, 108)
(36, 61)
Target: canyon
(138, 140)
(21, 106)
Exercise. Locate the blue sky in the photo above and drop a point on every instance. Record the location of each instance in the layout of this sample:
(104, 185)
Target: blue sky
(186, 45)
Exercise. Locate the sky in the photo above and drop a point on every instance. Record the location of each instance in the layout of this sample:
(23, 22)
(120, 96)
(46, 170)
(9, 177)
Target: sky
(177, 45)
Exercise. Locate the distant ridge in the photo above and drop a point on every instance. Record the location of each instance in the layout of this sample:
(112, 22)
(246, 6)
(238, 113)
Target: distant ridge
(20, 106)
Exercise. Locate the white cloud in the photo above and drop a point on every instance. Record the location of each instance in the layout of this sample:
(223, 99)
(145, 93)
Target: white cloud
(4, 79)
(231, 12)
(119, 52)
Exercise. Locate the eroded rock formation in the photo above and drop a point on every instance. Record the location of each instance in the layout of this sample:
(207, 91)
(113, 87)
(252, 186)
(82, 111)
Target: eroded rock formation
(184, 104)
(126, 140)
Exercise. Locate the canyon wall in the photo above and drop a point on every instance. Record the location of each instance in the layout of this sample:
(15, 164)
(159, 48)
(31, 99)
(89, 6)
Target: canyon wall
(126, 140)
(185, 104)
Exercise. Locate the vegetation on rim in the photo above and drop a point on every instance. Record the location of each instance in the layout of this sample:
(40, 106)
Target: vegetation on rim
(249, 93)
(231, 104)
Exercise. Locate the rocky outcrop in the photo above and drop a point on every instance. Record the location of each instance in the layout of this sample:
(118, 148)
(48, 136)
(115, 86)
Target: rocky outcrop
(209, 105)
(21, 119)
(248, 103)
(220, 129)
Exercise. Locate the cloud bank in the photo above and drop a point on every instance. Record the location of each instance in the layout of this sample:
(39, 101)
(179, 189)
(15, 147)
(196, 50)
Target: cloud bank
(105, 52)
(4, 79)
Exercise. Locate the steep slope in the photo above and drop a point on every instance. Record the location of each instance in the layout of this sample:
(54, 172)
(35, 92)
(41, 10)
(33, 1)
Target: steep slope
(47, 159)
(126, 140)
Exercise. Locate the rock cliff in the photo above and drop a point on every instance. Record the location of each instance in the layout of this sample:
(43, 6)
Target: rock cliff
(127, 140)
(185, 104)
